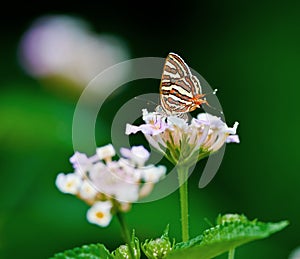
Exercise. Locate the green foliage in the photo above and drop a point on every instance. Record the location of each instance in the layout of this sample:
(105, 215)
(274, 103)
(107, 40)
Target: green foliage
(93, 251)
(158, 248)
(123, 252)
(192, 242)
(232, 231)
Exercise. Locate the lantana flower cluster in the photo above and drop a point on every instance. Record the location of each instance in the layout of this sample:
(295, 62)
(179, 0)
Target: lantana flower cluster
(108, 185)
(182, 141)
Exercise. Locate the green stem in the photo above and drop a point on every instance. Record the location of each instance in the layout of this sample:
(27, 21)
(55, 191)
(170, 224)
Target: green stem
(183, 192)
(231, 253)
(125, 233)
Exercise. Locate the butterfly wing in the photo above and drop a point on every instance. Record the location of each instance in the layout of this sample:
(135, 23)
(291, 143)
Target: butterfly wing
(196, 86)
(178, 86)
(175, 67)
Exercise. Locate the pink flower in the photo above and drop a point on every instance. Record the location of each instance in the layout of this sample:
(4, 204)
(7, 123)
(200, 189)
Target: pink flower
(204, 135)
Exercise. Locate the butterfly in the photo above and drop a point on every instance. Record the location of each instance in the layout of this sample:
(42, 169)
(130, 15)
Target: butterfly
(180, 90)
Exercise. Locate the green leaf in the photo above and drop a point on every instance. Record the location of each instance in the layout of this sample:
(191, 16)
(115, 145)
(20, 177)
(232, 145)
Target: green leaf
(93, 251)
(192, 242)
(232, 231)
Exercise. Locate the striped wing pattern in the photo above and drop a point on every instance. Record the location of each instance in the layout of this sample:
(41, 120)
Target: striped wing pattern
(180, 91)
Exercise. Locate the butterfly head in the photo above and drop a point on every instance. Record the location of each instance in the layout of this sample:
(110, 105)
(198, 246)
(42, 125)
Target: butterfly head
(197, 101)
(200, 99)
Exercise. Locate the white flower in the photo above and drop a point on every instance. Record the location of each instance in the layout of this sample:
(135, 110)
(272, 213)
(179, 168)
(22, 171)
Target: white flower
(114, 182)
(81, 163)
(208, 119)
(176, 122)
(138, 155)
(233, 138)
(68, 183)
(110, 185)
(66, 47)
(219, 132)
(186, 142)
(155, 124)
(295, 254)
(129, 169)
(87, 191)
(152, 173)
(100, 213)
(106, 152)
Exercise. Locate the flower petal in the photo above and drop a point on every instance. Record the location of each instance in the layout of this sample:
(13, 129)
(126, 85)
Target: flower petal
(131, 129)
(153, 173)
(107, 151)
(81, 163)
(68, 183)
(233, 139)
(87, 191)
(100, 214)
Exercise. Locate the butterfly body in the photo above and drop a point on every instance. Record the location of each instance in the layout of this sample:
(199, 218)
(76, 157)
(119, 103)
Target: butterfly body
(180, 91)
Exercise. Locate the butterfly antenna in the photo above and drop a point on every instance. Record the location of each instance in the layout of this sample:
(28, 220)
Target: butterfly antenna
(212, 107)
(213, 92)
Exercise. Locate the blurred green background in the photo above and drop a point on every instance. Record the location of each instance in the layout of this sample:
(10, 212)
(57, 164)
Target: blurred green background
(250, 51)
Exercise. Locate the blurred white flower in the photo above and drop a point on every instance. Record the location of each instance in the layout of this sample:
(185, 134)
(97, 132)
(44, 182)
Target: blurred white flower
(81, 163)
(100, 179)
(115, 182)
(153, 174)
(100, 213)
(68, 183)
(106, 152)
(295, 254)
(61, 46)
(87, 191)
(138, 155)
(185, 142)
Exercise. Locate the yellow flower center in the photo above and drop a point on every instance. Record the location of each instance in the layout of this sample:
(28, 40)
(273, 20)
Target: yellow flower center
(100, 215)
(70, 184)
